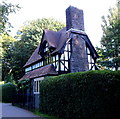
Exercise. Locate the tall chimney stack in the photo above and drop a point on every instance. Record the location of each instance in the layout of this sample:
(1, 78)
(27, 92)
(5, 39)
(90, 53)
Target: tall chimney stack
(74, 18)
(78, 59)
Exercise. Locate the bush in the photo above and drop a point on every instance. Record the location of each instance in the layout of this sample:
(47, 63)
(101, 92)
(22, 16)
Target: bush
(8, 92)
(92, 94)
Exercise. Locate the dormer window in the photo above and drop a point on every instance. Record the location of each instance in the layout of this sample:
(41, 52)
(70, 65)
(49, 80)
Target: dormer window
(46, 47)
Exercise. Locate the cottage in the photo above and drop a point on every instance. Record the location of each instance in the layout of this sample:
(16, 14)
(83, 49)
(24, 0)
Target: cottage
(65, 51)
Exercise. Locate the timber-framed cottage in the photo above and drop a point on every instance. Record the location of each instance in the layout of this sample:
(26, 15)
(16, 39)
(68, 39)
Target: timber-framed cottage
(65, 51)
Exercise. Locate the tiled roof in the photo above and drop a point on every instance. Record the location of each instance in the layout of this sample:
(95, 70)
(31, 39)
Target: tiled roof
(54, 39)
(57, 40)
(34, 57)
(43, 71)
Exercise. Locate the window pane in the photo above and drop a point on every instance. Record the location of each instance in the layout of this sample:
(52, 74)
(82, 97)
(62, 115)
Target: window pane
(46, 48)
(26, 70)
(42, 63)
(46, 44)
(38, 65)
(39, 86)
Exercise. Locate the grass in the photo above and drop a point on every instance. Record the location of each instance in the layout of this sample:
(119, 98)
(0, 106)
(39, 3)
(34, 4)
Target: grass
(45, 115)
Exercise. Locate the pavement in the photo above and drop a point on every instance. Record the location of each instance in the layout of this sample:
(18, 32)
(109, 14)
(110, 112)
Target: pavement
(7, 111)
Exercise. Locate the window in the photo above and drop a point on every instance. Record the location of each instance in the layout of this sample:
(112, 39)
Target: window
(36, 85)
(46, 47)
(28, 69)
(36, 66)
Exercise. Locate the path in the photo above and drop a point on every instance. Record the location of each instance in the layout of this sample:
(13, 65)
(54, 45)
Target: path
(12, 111)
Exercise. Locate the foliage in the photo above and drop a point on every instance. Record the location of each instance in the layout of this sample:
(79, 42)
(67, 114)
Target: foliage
(7, 43)
(110, 42)
(24, 89)
(92, 94)
(5, 10)
(8, 92)
(24, 84)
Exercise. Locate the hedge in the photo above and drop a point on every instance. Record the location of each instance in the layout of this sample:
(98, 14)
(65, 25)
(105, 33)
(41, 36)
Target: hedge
(8, 92)
(92, 94)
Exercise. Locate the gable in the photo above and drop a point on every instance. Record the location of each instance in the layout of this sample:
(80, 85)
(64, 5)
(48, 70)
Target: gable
(55, 40)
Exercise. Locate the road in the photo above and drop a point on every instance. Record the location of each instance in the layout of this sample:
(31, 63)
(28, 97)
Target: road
(7, 111)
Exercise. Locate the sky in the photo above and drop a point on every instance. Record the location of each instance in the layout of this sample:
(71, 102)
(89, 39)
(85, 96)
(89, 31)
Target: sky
(93, 11)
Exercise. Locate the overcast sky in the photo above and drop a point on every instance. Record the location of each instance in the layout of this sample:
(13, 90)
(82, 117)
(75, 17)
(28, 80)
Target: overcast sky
(93, 11)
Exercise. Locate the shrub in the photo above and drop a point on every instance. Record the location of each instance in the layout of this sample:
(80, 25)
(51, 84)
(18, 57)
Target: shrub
(8, 92)
(92, 94)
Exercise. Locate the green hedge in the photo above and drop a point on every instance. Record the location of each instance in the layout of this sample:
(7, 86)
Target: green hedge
(92, 94)
(8, 92)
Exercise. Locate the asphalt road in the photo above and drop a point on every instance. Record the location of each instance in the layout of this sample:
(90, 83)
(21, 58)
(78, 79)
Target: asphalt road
(7, 111)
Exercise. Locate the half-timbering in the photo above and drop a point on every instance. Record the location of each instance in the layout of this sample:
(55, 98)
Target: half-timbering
(65, 51)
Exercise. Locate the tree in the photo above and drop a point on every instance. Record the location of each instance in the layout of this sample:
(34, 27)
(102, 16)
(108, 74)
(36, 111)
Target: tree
(28, 38)
(5, 10)
(6, 41)
(110, 42)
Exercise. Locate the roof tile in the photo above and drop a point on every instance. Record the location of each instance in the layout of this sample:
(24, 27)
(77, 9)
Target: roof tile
(43, 71)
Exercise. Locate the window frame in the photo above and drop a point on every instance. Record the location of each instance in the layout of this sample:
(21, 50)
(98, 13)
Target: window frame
(36, 85)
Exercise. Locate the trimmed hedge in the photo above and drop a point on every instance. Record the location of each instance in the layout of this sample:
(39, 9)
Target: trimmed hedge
(92, 94)
(8, 92)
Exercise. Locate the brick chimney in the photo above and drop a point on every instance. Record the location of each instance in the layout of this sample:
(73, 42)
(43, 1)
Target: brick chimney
(75, 20)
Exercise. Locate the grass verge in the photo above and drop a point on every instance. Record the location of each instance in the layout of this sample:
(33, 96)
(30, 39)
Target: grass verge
(45, 116)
